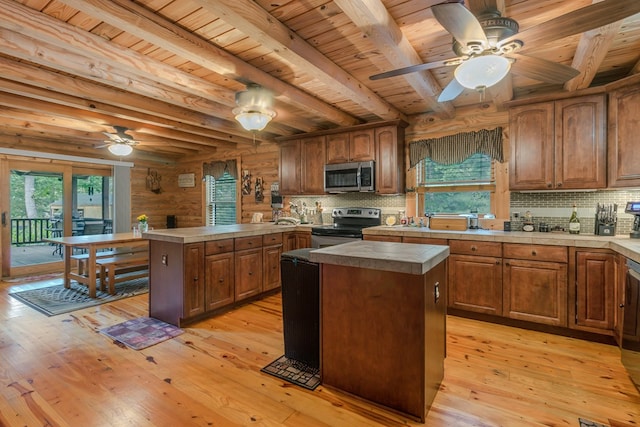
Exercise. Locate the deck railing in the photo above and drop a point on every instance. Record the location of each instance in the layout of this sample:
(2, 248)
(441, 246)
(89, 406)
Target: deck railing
(25, 231)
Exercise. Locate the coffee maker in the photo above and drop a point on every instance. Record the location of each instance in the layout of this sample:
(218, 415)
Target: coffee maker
(634, 208)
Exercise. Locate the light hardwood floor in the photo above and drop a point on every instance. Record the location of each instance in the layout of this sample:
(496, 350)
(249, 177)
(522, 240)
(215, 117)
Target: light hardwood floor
(60, 371)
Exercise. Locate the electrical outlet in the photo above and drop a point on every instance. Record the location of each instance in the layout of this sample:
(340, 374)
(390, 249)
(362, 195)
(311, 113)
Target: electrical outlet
(516, 215)
(165, 259)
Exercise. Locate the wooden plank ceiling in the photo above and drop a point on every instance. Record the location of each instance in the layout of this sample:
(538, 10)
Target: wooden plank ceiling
(168, 70)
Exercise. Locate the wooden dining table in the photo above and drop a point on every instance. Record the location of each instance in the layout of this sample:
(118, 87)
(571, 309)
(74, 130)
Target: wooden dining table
(92, 244)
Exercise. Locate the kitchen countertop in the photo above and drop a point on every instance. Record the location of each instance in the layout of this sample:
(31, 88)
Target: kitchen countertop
(218, 232)
(621, 244)
(387, 256)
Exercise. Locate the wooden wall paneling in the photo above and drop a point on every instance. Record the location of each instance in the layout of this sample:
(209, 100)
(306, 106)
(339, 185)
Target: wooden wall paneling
(264, 165)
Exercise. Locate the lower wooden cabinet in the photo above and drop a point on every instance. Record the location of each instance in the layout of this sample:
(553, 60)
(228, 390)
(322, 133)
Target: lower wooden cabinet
(220, 283)
(296, 240)
(194, 280)
(271, 253)
(248, 267)
(475, 284)
(595, 290)
(535, 291)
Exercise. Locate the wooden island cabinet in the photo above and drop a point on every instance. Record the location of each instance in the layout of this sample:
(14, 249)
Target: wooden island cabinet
(190, 279)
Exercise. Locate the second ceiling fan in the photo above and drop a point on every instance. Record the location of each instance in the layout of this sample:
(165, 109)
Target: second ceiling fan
(489, 46)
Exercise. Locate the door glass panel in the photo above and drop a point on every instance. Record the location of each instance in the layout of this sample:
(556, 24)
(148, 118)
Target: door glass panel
(36, 212)
(92, 204)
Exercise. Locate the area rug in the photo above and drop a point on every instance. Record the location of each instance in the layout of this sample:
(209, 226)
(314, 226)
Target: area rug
(294, 372)
(142, 332)
(589, 423)
(56, 299)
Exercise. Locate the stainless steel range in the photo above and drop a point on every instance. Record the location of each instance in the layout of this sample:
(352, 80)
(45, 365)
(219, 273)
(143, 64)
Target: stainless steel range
(347, 226)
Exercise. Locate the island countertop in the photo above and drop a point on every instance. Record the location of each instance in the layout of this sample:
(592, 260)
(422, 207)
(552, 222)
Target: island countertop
(218, 232)
(387, 256)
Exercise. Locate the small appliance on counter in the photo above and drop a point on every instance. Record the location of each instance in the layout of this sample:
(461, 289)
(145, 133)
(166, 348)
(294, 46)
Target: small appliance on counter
(634, 208)
(606, 219)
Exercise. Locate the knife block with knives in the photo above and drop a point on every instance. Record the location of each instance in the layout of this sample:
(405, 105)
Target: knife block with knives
(606, 219)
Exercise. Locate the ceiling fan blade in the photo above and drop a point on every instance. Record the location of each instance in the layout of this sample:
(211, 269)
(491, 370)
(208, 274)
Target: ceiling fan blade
(460, 22)
(451, 91)
(415, 68)
(541, 69)
(587, 18)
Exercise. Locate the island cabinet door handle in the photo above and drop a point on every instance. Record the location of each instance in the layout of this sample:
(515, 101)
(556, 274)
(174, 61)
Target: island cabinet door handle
(195, 279)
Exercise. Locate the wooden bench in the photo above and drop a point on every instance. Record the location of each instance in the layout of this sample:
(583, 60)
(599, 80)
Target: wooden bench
(83, 259)
(113, 267)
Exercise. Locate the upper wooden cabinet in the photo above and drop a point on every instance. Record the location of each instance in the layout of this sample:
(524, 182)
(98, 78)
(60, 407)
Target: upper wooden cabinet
(302, 159)
(624, 128)
(302, 165)
(390, 175)
(558, 145)
(356, 146)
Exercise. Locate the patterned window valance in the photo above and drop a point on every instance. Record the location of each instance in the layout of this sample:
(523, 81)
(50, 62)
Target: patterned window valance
(452, 149)
(218, 168)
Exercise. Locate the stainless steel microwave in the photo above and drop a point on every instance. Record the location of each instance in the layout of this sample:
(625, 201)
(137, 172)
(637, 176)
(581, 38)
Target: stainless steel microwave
(354, 176)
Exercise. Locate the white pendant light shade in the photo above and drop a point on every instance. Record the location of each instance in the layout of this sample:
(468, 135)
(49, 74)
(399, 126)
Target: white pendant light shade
(120, 149)
(254, 110)
(482, 72)
(254, 120)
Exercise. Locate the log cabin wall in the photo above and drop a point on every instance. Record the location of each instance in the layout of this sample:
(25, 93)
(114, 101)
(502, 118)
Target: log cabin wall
(188, 203)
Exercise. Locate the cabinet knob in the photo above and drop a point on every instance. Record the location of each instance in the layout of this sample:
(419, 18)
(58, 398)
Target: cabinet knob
(534, 253)
(195, 279)
(549, 185)
(621, 306)
(251, 273)
(497, 262)
(474, 248)
(559, 184)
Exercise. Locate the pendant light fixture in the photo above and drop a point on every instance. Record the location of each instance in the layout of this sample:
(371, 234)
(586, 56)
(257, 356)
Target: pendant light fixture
(254, 110)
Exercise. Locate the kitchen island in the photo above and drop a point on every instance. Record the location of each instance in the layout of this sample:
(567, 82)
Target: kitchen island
(383, 322)
(196, 272)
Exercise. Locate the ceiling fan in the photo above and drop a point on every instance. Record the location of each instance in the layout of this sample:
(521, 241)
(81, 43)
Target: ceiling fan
(119, 143)
(489, 46)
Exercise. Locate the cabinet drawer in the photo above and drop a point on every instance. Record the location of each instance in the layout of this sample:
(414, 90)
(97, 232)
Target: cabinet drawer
(272, 239)
(218, 246)
(536, 252)
(252, 242)
(425, 240)
(471, 247)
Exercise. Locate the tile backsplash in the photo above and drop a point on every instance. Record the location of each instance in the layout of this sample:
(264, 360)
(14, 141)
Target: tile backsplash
(553, 208)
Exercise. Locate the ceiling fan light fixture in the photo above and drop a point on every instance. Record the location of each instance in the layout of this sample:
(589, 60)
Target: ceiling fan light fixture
(254, 110)
(120, 149)
(482, 71)
(254, 120)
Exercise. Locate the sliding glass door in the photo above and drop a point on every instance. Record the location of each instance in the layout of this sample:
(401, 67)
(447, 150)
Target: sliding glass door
(48, 200)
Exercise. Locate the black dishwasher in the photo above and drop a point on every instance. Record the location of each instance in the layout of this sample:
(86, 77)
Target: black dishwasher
(301, 307)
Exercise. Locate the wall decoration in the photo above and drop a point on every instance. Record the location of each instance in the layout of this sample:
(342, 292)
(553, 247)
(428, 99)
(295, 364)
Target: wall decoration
(259, 191)
(187, 180)
(246, 183)
(153, 181)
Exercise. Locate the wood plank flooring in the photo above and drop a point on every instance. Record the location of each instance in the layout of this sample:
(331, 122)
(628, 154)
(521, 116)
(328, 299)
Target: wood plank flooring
(60, 371)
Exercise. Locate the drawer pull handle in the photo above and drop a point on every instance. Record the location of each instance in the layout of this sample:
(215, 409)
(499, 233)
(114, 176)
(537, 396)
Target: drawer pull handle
(473, 248)
(534, 253)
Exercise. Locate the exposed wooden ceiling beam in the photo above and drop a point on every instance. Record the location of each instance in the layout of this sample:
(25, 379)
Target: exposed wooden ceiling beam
(148, 26)
(374, 20)
(249, 18)
(591, 51)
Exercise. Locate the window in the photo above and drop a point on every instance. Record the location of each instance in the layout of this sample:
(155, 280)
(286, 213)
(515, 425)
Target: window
(456, 188)
(221, 200)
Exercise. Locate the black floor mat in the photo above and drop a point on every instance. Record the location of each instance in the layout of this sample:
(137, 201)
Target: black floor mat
(294, 372)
